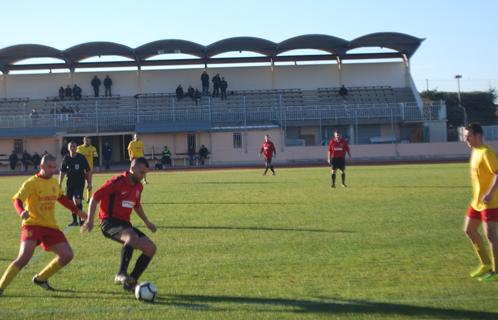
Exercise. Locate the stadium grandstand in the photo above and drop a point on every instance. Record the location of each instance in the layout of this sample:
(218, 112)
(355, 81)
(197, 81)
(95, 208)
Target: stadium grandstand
(277, 88)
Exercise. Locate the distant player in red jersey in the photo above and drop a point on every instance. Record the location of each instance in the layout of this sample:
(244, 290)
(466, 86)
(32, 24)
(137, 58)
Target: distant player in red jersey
(117, 197)
(268, 150)
(338, 147)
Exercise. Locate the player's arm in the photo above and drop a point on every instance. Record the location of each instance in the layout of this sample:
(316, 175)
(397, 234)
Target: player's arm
(61, 177)
(88, 177)
(88, 174)
(103, 191)
(130, 147)
(140, 212)
(62, 171)
(68, 204)
(491, 162)
(92, 207)
(18, 205)
(348, 151)
(329, 151)
(489, 195)
(274, 150)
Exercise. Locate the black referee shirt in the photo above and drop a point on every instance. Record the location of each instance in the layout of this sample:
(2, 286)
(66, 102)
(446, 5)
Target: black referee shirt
(75, 168)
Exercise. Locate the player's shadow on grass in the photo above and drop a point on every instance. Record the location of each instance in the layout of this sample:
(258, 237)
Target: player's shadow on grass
(226, 202)
(412, 187)
(231, 182)
(78, 294)
(229, 228)
(336, 307)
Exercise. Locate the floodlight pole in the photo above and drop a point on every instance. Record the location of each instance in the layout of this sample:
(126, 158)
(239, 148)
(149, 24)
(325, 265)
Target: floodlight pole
(458, 77)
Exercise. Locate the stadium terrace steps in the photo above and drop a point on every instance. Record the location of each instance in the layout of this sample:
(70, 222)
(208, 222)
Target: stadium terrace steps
(365, 95)
(252, 106)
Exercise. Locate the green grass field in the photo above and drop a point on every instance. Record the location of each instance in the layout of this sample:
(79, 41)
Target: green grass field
(236, 245)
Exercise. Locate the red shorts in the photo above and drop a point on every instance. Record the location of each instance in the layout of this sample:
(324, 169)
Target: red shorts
(46, 237)
(484, 215)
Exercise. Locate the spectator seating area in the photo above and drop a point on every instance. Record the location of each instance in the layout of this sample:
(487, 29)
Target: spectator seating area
(250, 100)
(365, 95)
(14, 106)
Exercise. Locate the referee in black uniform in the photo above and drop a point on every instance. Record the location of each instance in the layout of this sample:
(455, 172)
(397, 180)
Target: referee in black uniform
(75, 166)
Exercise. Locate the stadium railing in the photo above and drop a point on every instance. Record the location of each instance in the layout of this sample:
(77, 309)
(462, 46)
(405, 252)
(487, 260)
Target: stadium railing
(242, 108)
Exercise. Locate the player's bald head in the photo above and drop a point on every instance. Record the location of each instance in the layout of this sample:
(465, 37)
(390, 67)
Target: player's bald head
(47, 159)
(138, 169)
(139, 162)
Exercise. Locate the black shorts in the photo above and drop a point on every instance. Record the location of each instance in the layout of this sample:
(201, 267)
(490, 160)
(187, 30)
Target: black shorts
(268, 162)
(112, 228)
(338, 163)
(75, 190)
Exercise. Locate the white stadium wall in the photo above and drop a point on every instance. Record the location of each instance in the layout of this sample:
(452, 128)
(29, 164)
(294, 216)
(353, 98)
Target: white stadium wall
(220, 146)
(128, 83)
(32, 145)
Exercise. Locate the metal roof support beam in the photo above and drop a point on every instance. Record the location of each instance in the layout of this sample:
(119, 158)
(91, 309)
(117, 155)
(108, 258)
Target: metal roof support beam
(272, 70)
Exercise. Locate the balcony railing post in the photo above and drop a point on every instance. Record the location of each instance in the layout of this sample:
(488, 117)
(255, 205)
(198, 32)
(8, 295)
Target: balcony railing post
(138, 110)
(96, 116)
(173, 106)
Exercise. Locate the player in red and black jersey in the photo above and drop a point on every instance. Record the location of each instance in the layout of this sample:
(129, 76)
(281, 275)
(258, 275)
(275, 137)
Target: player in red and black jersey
(118, 197)
(336, 155)
(268, 150)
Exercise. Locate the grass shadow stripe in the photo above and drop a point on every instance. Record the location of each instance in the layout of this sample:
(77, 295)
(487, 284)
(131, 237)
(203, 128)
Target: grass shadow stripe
(231, 228)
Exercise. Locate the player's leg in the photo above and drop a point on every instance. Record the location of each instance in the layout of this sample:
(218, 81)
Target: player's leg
(148, 249)
(126, 255)
(267, 166)
(343, 176)
(118, 231)
(77, 199)
(57, 243)
(271, 166)
(333, 171)
(70, 195)
(341, 165)
(26, 251)
(489, 228)
(140, 241)
(89, 189)
(471, 226)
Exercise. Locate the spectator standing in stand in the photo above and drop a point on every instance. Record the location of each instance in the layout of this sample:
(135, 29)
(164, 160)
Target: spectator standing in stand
(205, 83)
(96, 85)
(223, 87)
(216, 85)
(107, 86)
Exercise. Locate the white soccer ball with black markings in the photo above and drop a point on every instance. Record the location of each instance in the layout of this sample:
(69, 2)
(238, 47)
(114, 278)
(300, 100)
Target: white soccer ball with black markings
(146, 291)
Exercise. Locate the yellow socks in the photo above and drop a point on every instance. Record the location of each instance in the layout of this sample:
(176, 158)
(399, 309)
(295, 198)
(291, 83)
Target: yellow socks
(482, 254)
(8, 275)
(480, 271)
(49, 270)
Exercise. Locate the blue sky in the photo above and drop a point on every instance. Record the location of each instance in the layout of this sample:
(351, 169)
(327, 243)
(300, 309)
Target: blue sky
(461, 36)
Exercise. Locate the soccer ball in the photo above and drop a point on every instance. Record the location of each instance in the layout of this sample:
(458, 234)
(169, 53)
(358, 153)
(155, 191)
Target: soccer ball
(146, 291)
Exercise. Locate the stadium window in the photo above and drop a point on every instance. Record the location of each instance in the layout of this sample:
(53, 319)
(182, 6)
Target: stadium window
(18, 146)
(237, 140)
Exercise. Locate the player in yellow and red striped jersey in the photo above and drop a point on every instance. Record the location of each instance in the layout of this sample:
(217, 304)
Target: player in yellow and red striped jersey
(35, 204)
(483, 208)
